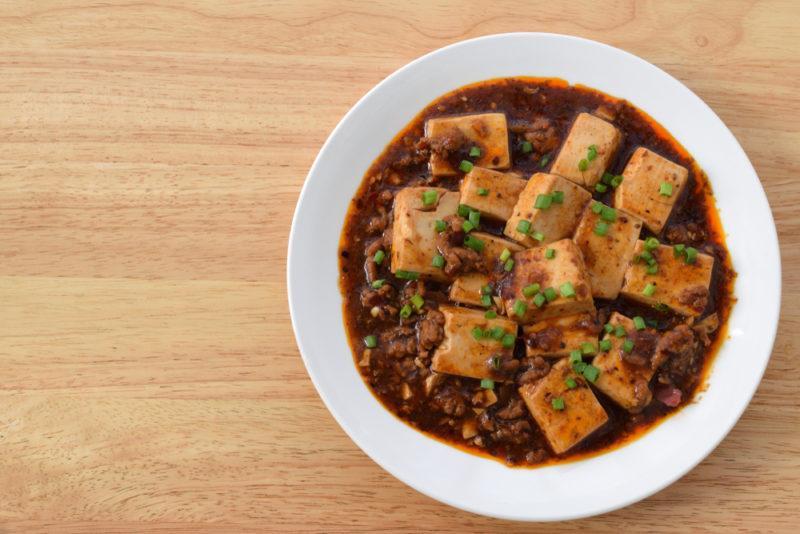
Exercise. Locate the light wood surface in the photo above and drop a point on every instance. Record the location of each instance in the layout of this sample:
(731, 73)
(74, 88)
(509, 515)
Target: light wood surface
(151, 154)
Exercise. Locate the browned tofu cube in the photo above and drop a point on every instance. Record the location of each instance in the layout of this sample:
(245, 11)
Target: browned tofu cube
(414, 233)
(461, 353)
(563, 276)
(607, 247)
(586, 131)
(681, 286)
(556, 220)
(487, 131)
(650, 186)
(490, 192)
(466, 288)
(625, 383)
(558, 336)
(566, 416)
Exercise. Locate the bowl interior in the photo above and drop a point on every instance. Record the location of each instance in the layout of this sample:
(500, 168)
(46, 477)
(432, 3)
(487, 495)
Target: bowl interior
(577, 489)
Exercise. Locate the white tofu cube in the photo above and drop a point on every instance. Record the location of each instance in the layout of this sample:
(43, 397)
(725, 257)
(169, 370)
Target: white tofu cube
(640, 192)
(607, 246)
(487, 131)
(586, 131)
(460, 353)
(625, 383)
(492, 193)
(555, 221)
(414, 232)
(580, 415)
(466, 288)
(558, 336)
(563, 274)
(681, 286)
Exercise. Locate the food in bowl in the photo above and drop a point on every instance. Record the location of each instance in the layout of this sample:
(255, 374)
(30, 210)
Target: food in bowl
(534, 271)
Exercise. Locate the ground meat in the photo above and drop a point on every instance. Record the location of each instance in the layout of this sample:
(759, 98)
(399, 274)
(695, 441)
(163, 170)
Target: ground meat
(486, 422)
(677, 350)
(458, 259)
(536, 456)
(539, 369)
(644, 345)
(430, 331)
(704, 328)
(690, 233)
(542, 135)
(377, 224)
(516, 432)
(548, 339)
(695, 297)
(669, 395)
(514, 409)
(641, 396)
(377, 297)
(448, 146)
(399, 341)
(589, 324)
(448, 400)
(385, 197)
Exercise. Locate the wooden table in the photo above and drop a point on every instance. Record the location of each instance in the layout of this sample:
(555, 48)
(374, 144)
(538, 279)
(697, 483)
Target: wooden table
(151, 154)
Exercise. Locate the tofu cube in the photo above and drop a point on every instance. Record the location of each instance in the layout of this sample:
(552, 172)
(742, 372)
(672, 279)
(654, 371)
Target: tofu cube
(625, 383)
(564, 273)
(587, 130)
(640, 190)
(487, 131)
(681, 286)
(607, 256)
(581, 414)
(414, 232)
(460, 353)
(466, 288)
(501, 192)
(557, 220)
(558, 336)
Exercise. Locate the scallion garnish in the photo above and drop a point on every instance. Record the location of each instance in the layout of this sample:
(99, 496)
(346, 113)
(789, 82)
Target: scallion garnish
(591, 154)
(605, 345)
(465, 166)
(438, 261)
(557, 403)
(538, 236)
(597, 208)
(379, 257)
(619, 331)
(570, 382)
(377, 284)
(417, 301)
(478, 333)
(648, 290)
(550, 253)
(496, 333)
(601, 228)
(429, 198)
(539, 300)
(567, 290)
(691, 255)
(558, 197)
(475, 218)
(627, 345)
(616, 180)
(591, 373)
(543, 202)
(482, 191)
(550, 294)
(505, 254)
(608, 214)
(530, 290)
(520, 308)
(508, 265)
(474, 152)
(463, 210)
(650, 244)
(467, 226)
(588, 348)
(523, 226)
(508, 340)
(638, 323)
(440, 226)
(665, 190)
(486, 300)
(405, 311)
(406, 275)
(600, 188)
(575, 356)
(544, 161)
(583, 165)
(371, 341)
(526, 147)
(487, 383)
(474, 243)
(490, 314)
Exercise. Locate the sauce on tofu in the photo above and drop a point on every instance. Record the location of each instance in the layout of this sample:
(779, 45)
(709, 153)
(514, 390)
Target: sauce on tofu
(534, 272)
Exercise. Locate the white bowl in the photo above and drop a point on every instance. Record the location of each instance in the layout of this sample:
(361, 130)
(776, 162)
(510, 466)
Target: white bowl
(481, 485)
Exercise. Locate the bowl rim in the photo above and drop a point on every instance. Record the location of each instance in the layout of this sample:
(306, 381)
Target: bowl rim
(770, 242)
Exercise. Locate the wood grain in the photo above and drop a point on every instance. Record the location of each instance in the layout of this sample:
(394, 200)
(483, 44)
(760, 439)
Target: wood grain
(150, 157)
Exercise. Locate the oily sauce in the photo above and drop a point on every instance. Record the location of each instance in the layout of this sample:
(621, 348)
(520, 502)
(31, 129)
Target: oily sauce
(399, 382)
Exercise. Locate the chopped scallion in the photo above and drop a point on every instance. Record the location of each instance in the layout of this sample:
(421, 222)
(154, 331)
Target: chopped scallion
(486, 290)
(648, 290)
(482, 191)
(591, 154)
(558, 197)
(509, 265)
(608, 214)
(505, 254)
(487, 383)
(438, 261)
(597, 207)
(650, 244)
(652, 269)
(665, 190)
(543, 202)
(619, 331)
(474, 152)
(608, 327)
(526, 147)
(406, 275)
(530, 290)
(520, 308)
(550, 294)
(615, 181)
(418, 301)
(377, 284)
(691, 255)
(638, 323)
(440, 226)
(605, 345)
(371, 341)
(591, 373)
(496, 333)
(557, 403)
(583, 165)
(475, 218)
(627, 345)
(538, 236)
(570, 382)
(550, 253)
(678, 250)
(474, 243)
(429, 198)
(539, 300)
(567, 290)
(575, 356)
(467, 226)
(405, 311)
(465, 166)
(508, 340)
(588, 348)
(601, 228)
(523, 226)
(606, 178)
(463, 210)
(478, 333)
(490, 314)
(600, 188)
(544, 161)
(486, 300)
(379, 257)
